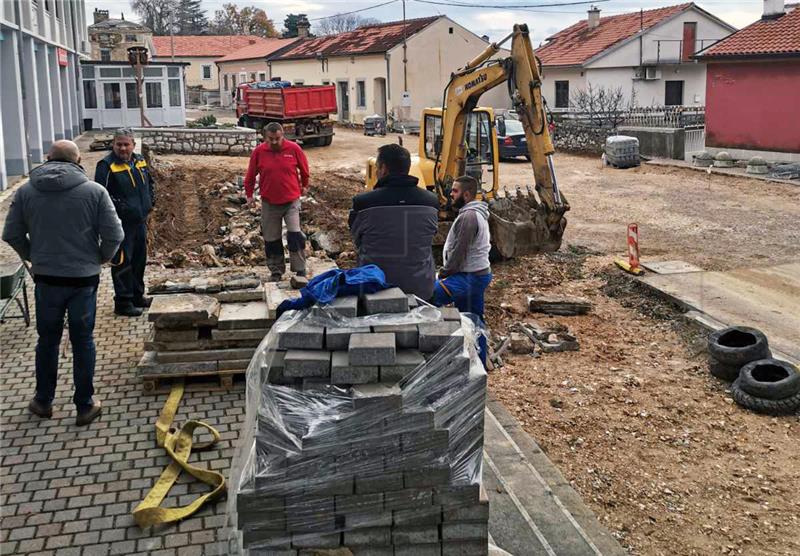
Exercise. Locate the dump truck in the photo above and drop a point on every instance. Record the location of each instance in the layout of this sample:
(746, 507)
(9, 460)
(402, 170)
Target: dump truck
(302, 110)
(460, 138)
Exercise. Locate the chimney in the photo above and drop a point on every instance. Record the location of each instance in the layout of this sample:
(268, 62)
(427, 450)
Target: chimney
(303, 28)
(772, 9)
(100, 15)
(485, 38)
(122, 16)
(594, 17)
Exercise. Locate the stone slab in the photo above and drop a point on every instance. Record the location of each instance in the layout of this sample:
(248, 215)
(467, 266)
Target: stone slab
(300, 363)
(167, 335)
(433, 335)
(148, 365)
(244, 315)
(241, 296)
(183, 309)
(302, 336)
(372, 349)
(239, 334)
(338, 338)
(204, 355)
(391, 300)
(274, 295)
(406, 335)
(405, 362)
(670, 267)
(342, 372)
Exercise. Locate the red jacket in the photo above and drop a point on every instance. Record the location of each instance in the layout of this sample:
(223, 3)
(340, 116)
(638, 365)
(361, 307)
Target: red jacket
(278, 178)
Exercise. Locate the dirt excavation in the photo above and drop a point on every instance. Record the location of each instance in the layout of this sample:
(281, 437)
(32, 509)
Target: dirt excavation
(651, 441)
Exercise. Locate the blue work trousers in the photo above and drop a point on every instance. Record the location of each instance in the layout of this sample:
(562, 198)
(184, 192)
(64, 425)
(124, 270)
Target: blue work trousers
(465, 291)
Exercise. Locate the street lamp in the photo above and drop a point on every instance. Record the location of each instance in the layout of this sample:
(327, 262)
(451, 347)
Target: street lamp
(137, 57)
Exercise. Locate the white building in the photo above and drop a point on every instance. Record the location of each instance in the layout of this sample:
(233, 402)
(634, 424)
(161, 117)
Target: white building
(40, 43)
(110, 98)
(648, 54)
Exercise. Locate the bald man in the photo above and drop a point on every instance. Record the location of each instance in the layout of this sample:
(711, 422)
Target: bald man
(66, 226)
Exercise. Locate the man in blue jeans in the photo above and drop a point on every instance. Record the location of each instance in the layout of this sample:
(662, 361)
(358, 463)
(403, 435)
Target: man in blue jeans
(466, 273)
(66, 226)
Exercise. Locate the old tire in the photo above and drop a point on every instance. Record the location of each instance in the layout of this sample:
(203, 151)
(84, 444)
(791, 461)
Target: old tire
(770, 379)
(728, 373)
(786, 406)
(738, 345)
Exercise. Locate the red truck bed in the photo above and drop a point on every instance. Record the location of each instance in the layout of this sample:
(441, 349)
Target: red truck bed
(291, 102)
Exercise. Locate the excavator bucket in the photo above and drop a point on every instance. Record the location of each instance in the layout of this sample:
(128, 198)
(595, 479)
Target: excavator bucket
(520, 225)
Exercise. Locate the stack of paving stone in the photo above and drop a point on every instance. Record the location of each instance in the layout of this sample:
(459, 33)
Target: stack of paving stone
(368, 434)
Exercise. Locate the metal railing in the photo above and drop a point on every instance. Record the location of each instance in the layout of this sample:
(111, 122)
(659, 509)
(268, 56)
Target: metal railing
(656, 116)
(668, 54)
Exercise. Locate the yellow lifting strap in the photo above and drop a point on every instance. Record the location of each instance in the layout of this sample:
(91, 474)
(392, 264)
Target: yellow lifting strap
(178, 444)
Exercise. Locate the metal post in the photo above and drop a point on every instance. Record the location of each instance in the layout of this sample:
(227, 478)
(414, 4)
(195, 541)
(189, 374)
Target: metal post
(405, 58)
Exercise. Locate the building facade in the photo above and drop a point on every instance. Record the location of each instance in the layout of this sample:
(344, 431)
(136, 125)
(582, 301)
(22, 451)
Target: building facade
(111, 38)
(245, 65)
(111, 100)
(647, 55)
(753, 88)
(40, 46)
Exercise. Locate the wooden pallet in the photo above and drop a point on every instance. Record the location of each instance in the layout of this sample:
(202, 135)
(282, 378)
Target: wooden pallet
(195, 382)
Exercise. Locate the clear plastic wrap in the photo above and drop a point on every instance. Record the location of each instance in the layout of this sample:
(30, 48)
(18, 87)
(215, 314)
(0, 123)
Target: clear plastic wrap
(384, 467)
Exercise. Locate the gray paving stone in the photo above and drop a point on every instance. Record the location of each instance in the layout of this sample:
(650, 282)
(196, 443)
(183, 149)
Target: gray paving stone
(343, 306)
(391, 300)
(450, 313)
(430, 476)
(256, 334)
(342, 372)
(241, 296)
(244, 315)
(456, 496)
(372, 550)
(418, 516)
(366, 395)
(302, 363)
(412, 301)
(371, 536)
(332, 540)
(417, 534)
(183, 310)
(274, 373)
(418, 550)
(367, 519)
(204, 355)
(465, 531)
(406, 335)
(359, 503)
(168, 335)
(337, 338)
(407, 499)
(379, 483)
(372, 349)
(465, 548)
(311, 383)
(302, 336)
(406, 360)
(433, 335)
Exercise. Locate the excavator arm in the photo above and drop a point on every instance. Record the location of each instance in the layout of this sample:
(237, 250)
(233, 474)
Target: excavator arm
(521, 73)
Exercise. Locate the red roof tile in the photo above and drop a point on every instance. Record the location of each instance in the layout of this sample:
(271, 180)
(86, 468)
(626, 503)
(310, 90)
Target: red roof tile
(203, 45)
(765, 37)
(372, 39)
(259, 50)
(576, 44)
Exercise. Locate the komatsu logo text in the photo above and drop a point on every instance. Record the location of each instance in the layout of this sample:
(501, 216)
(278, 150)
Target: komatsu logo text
(477, 81)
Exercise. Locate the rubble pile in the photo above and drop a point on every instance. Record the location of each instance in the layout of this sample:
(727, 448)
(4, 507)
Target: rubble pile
(366, 432)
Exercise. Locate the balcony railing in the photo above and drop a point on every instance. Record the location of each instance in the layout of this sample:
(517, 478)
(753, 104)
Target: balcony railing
(670, 51)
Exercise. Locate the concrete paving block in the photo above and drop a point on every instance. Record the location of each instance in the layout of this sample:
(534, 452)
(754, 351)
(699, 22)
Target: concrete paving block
(302, 336)
(274, 295)
(372, 536)
(342, 372)
(359, 503)
(168, 335)
(433, 335)
(433, 440)
(418, 550)
(418, 516)
(367, 519)
(430, 476)
(257, 535)
(465, 531)
(183, 310)
(233, 364)
(312, 383)
(379, 483)
(274, 373)
(330, 486)
(450, 313)
(275, 520)
(406, 335)
(302, 363)
(337, 338)
(405, 362)
(244, 315)
(391, 300)
(409, 421)
(346, 306)
(384, 395)
(456, 496)
(310, 514)
(240, 334)
(330, 540)
(260, 551)
(408, 498)
(415, 534)
(372, 349)
(473, 512)
(465, 548)
(412, 301)
(204, 355)
(372, 550)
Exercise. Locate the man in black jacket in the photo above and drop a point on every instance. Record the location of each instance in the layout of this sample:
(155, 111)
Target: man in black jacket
(126, 177)
(393, 225)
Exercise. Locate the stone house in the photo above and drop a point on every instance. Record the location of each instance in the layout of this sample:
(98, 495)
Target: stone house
(111, 38)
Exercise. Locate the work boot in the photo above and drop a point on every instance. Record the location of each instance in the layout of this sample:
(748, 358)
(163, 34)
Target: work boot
(127, 310)
(143, 302)
(300, 273)
(275, 277)
(38, 408)
(87, 416)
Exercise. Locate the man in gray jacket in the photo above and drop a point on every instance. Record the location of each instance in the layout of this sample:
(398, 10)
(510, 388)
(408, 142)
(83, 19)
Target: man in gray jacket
(66, 226)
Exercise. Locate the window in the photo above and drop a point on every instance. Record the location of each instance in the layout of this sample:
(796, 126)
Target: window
(112, 96)
(225, 82)
(173, 71)
(233, 81)
(262, 76)
(153, 91)
(128, 72)
(105, 54)
(174, 92)
(89, 94)
(326, 81)
(253, 76)
(87, 71)
(110, 72)
(242, 77)
(361, 93)
(433, 136)
(149, 71)
(130, 95)
(131, 38)
(562, 94)
(673, 93)
(298, 82)
(207, 71)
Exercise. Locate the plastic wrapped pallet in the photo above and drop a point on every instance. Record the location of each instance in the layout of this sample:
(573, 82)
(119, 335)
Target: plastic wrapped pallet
(622, 151)
(379, 467)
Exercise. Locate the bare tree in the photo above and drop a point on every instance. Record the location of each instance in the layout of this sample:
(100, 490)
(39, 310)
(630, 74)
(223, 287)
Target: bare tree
(603, 106)
(341, 23)
(156, 14)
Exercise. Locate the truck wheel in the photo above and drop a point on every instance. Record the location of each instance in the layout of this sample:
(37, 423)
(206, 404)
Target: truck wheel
(770, 379)
(327, 140)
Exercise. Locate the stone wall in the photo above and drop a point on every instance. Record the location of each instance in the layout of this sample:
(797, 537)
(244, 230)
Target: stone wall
(658, 142)
(237, 141)
(573, 137)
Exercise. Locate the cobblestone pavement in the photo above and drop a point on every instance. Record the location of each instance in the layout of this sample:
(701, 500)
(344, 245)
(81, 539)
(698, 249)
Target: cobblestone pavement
(71, 490)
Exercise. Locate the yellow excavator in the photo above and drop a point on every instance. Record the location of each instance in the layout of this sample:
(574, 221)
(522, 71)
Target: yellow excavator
(460, 138)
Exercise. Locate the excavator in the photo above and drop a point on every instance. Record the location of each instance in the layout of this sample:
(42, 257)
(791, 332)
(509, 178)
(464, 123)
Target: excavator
(460, 138)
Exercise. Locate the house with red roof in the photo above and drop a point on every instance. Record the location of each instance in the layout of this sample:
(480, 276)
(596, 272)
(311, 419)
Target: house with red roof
(244, 65)
(367, 67)
(647, 54)
(200, 52)
(753, 88)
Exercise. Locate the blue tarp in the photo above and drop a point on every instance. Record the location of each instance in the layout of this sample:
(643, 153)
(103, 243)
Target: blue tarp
(270, 84)
(337, 283)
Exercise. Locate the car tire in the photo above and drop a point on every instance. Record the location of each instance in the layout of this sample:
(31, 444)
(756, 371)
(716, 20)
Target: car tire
(770, 379)
(738, 345)
(786, 406)
(728, 373)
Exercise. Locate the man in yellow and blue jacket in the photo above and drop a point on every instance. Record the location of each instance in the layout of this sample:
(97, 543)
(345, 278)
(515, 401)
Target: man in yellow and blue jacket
(129, 183)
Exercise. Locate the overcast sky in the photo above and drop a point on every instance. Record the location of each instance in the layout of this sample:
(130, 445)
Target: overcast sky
(495, 22)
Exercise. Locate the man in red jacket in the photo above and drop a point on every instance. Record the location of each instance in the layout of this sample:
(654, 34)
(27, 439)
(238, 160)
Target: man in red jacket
(282, 170)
